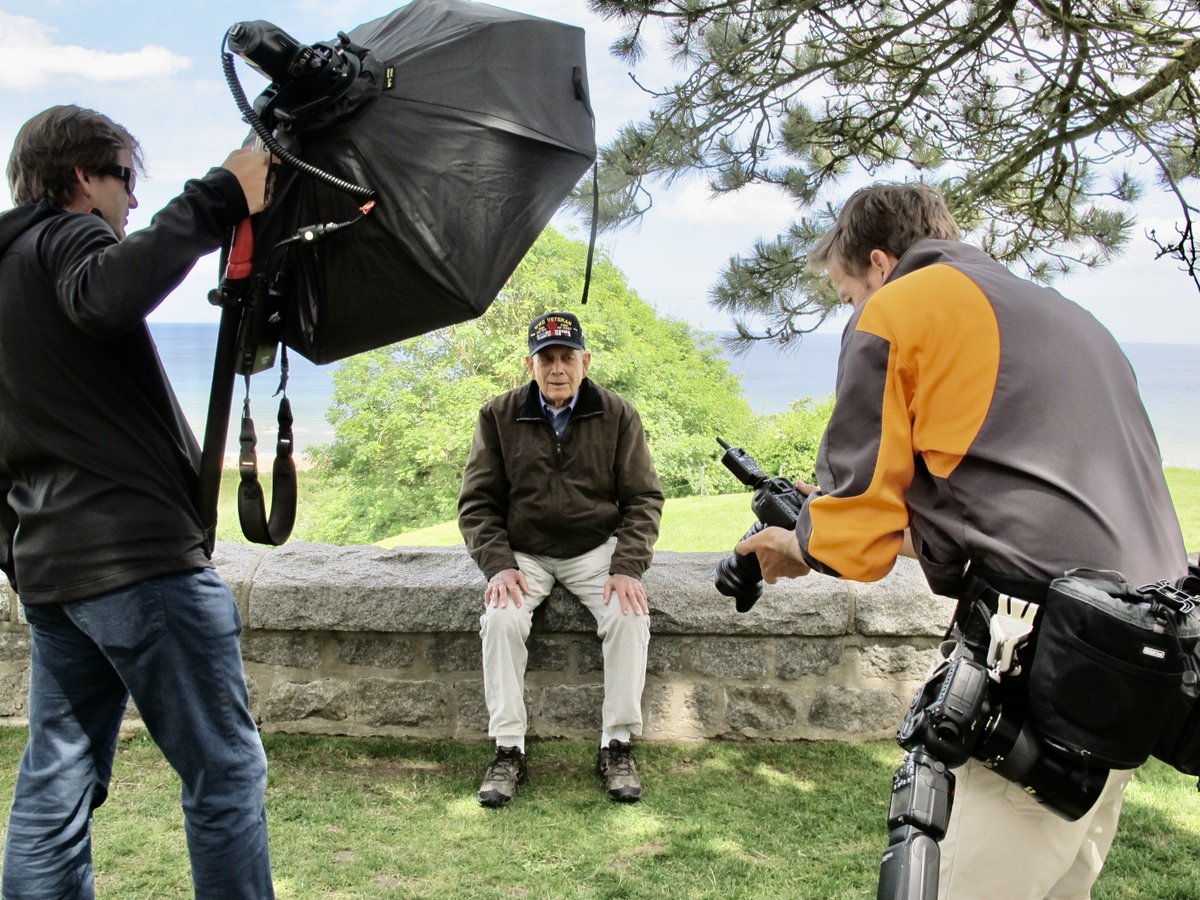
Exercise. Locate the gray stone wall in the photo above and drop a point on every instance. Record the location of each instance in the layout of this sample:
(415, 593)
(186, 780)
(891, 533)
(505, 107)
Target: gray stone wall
(366, 641)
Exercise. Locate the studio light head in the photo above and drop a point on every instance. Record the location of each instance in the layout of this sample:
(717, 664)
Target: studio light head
(304, 77)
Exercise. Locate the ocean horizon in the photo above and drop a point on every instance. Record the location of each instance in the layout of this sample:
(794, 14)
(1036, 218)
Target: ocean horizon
(1168, 378)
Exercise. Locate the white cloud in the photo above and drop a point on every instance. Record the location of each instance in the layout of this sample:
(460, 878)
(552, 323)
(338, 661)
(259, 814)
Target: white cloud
(31, 57)
(761, 208)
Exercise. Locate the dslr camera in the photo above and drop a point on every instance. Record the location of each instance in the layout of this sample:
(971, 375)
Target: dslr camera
(960, 712)
(775, 502)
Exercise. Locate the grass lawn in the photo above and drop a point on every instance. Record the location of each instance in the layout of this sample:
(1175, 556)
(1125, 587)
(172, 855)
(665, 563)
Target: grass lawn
(1184, 485)
(717, 523)
(387, 818)
(382, 818)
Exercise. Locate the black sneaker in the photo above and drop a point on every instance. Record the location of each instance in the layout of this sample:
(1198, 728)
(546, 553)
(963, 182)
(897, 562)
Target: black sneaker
(616, 766)
(502, 777)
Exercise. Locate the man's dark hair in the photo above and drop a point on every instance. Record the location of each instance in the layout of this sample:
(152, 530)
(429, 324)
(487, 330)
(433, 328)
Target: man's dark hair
(889, 217)
(53, 143)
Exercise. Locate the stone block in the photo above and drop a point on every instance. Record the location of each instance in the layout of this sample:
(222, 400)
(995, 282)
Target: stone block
(562, 612)
(705, 704)
(683, 600)
(472, 708)
(14, 646)
(454, 654)
(546, 654)
(901, 605)
(297, 651)
(317, 587)
(681, 712)
(729, 658)
(904, 662)
(665, 655)
(14, 693)
(388, 702)
(759, 710)
(857, 711)
(375, 651)
(235, 564)
(797, 657)
(589, 655)
(290, 701)
(254, 695)
(569, 706)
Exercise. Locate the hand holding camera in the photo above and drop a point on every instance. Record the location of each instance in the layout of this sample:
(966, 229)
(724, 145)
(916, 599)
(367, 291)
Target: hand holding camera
(776, 502)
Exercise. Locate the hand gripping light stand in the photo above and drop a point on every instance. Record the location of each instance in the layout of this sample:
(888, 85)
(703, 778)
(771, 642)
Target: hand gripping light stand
(251, 300)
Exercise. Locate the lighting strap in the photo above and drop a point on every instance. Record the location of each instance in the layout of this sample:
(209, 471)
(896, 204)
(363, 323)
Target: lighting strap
(251, 504)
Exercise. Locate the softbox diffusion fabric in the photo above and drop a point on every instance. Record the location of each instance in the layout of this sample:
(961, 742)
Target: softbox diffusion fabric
(472, 124)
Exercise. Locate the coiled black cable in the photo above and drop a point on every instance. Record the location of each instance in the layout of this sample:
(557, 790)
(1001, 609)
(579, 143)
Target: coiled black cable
(269, 140)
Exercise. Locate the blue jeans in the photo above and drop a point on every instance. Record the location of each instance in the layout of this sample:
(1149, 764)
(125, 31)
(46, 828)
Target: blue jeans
(170, 643)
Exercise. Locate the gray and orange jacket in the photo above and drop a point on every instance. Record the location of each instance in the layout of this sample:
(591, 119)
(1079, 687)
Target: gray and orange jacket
(526, 490)
(1000, 421)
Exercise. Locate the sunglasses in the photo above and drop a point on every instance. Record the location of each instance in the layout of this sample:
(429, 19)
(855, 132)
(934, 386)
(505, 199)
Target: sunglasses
(125, 173)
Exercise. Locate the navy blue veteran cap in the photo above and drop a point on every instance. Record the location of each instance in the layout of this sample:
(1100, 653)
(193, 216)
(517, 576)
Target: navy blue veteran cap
(555, 328)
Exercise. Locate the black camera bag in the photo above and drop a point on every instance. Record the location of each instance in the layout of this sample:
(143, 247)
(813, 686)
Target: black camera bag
(1108, 675)
(1179, 743)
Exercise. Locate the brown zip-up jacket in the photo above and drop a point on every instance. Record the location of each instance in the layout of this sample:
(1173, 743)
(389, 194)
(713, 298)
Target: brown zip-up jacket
(525, 490)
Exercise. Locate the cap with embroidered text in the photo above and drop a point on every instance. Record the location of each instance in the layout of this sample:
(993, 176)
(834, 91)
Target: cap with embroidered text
(555, 329)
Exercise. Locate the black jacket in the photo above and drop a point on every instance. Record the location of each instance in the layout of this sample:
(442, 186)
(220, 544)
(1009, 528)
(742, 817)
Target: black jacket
(98, 467)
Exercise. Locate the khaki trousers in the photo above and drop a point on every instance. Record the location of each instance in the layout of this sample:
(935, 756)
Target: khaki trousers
(624, 642)
(1003, 844)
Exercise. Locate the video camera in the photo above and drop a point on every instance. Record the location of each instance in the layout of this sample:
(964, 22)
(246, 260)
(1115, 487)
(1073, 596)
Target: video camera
(776, 502)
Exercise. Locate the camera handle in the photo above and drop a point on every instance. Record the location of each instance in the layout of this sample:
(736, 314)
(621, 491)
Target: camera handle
(922, 795)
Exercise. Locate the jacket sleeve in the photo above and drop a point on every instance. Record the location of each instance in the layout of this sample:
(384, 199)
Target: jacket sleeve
(854, 526)
(483, 500)
(8, 530)
(640, 499)
(107, 287)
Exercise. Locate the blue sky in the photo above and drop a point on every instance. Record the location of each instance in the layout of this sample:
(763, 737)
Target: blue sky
(155, 68)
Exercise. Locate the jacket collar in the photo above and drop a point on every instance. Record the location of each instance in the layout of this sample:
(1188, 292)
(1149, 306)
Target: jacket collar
(587, 404)
(20, 219)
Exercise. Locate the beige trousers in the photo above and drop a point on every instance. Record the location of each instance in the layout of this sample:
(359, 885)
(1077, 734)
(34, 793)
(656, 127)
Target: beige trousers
(624, 642)
(1003, 844)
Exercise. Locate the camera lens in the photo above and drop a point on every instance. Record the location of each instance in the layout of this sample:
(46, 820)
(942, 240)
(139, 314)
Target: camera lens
(740, 577)
(1012, 749)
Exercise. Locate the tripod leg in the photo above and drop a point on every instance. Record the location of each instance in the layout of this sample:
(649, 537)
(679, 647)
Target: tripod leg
(216, 429)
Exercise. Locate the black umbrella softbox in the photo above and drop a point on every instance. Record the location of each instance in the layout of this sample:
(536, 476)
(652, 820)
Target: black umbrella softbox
(470, 124)
(464, 125)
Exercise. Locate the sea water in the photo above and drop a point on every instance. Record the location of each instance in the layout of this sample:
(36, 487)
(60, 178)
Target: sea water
(1168, 377)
